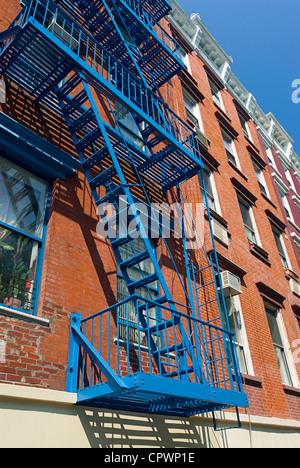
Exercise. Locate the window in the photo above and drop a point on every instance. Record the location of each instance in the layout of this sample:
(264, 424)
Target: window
(128, 125)
(244, 126)
(23, 199)
(192, 110)
(248, 221)
(271, 157)
(136, 272)
(260, 179)
(236, 326)
(273, 319)
(216, 94)
(230, 149)
(290, 180)
(280, 247)
(208, 181)
(64, 31)
(286, 205)
(185, 60)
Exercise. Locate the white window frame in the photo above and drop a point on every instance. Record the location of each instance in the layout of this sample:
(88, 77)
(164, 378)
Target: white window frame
(261, 179)
(252, 218)
(271, 158)
(283, 248)
(192, 106)
(210, 176)
(245, 127)
(231, 148)
(286, 204)
(217, 95)
(290, 180)
(286, 346)
(236, 303)
(185, 60)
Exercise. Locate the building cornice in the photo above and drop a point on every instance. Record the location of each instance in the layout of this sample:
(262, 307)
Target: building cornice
(213, 55)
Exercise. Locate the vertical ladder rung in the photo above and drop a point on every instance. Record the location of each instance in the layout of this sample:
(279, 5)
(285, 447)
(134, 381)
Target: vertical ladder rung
(105, 176)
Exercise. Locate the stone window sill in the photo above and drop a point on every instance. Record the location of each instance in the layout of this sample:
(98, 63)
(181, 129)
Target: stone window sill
(16, 314)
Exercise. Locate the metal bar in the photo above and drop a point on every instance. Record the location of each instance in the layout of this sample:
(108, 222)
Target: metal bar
(113, 380)
(73, 359)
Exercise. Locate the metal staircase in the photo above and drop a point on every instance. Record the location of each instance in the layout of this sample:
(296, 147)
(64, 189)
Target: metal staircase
(129, 30)
(66, 55)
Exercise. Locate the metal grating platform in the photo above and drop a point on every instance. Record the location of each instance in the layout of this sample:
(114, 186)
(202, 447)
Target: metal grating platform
(159, 395)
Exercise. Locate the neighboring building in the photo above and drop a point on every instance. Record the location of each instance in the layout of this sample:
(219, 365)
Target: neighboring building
(84, 125)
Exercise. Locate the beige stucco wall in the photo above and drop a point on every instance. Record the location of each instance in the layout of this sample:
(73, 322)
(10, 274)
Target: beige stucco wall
(44, 418)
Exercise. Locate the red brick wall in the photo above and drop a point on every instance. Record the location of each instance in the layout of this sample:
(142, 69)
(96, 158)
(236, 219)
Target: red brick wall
(267, 397)
(79, 270)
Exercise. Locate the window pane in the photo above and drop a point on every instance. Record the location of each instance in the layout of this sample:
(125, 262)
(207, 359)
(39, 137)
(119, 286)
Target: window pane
(278, 346)
(235, 325)
(22, 199)
(216, 94)
(244, 125)
(18, 263)
(246, 214)
(278, 241)
(260, 179)
(245, 211)
(229, 146)
(227, 142)
(128, 125)
(242, 359)
(127, 312)
(209, 190)
(285, 204)
(231, 157)
(271, 316)
(283, 367)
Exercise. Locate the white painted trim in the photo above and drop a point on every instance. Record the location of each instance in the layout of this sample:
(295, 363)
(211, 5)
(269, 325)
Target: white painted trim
(255, 420)
(8, 312)
(37, 394)
(211, 53)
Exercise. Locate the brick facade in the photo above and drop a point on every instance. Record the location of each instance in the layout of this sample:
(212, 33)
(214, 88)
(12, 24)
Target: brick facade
(79, 270)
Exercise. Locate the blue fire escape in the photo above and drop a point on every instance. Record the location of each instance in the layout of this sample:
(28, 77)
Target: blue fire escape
(148, 352)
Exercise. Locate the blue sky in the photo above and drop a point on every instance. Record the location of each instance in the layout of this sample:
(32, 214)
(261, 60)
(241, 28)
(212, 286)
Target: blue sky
(263, 38)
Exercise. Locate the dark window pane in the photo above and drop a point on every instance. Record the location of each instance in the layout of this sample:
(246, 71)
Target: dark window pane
(22, 199)
(18, 262)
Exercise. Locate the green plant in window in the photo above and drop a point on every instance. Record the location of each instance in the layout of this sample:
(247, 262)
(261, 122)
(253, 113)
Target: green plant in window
(3, 245)
(19, 273)
(3, 290)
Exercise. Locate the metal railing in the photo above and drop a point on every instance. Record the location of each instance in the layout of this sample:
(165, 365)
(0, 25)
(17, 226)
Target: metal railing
(83, 47)
(157, 347)
(149, 20)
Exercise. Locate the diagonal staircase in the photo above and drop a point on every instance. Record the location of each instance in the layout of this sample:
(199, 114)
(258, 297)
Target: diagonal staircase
(65, 55)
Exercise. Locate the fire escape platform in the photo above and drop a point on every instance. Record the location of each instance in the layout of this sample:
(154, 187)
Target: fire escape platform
(37, 61)
(157, 8)
(161, 54)
(161, 395)
(147, 353)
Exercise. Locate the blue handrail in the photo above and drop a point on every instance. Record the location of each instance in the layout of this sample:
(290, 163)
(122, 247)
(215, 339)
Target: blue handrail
(83, 46)
(151, 332)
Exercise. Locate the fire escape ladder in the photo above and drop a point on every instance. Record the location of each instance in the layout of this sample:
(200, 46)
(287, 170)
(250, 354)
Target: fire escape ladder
(112, 177)
(148, 352)
(158, 55)
(130, 31)
(103, 26)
